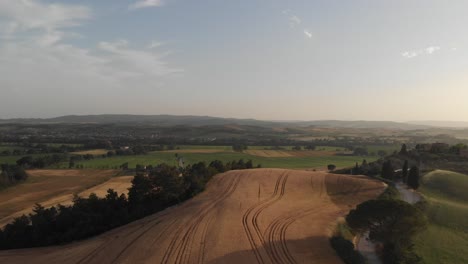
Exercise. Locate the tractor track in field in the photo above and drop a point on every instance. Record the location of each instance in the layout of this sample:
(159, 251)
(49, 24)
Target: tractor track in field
(278, 193)
(179, 245)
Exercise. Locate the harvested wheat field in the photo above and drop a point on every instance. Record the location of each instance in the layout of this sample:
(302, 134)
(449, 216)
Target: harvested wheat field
(195, 151)
(119, 184)
(288, 153)
(47, 187)
(92, 152)
(250, 216)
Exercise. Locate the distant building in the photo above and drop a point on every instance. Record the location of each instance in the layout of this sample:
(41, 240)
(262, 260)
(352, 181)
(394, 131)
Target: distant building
(434, 147)
(440, 147)
(424, 147)
(464, 153)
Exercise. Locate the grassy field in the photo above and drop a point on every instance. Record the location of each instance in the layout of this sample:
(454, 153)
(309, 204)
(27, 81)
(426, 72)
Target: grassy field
(191, 154)
(10, 147)
(189, 158)
(446, 239)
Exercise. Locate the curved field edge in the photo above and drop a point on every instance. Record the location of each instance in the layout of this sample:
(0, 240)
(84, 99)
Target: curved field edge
(48, 187)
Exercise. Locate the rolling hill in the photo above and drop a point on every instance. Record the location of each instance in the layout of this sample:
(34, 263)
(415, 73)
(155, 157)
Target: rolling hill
(173, 120)
(248, 216)
(446, 239)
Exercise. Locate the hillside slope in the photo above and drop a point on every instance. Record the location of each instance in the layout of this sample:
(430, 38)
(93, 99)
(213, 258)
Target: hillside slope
(250, 216)
(446, 239)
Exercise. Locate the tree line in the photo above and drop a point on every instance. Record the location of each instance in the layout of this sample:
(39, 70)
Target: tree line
(11, 174)
(153, 189)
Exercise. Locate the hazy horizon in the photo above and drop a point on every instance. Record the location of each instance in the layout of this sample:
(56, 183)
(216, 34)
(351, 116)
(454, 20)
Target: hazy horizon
(440, 123)
(267, 60)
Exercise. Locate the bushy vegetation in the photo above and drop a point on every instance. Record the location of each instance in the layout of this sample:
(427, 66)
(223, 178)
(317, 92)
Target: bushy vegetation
(153, 189)
(390, 193)
(390, 222)
(345, 250)
(11, 174)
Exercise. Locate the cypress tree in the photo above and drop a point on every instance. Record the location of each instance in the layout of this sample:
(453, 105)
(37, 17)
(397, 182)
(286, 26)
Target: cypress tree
(405, 171)
(413, 178)
(403, 150)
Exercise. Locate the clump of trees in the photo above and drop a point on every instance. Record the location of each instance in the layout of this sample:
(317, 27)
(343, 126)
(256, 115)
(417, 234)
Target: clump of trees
(11, 174)
(360, 151)
(392, 223)
(153, 189)
(239, 147)
(29, 162)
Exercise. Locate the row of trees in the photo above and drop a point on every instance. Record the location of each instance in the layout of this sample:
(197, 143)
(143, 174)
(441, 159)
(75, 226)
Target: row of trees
(409, 176)
(153, 189)
(29, 162)
(39, 148)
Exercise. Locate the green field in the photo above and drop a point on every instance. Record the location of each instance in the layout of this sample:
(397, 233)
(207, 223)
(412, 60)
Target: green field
(13, 159)
(229, 148)
(10, 147)
(189, 158)
(446, 239)
(226, 148)
(10, 159)
(226, 154)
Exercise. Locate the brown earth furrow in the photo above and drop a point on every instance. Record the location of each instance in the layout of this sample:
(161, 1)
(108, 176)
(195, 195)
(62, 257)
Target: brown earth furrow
(258, 208)
(181, 247)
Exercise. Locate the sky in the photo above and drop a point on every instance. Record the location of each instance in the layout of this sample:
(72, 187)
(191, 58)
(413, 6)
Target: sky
(394, 60)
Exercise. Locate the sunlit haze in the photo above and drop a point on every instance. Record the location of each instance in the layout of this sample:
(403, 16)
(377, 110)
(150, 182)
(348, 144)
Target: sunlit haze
(265, 59)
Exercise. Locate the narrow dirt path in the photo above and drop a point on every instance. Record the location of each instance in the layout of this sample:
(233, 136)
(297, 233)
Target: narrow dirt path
(406, 194)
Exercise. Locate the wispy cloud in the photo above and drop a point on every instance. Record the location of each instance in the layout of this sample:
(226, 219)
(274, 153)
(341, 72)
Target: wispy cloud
(295, 21)
(37, 46)
(146, 3)
(432, 49)
(409, 54)
(133, 62)
(155, 44)
(46, 21)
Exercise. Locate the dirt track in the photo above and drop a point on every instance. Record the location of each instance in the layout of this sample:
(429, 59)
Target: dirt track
(254, 216)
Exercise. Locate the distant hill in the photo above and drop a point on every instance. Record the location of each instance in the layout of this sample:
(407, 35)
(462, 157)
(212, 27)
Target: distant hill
(162, 120)
(362, 124)
(172, 120)
(448, 124)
